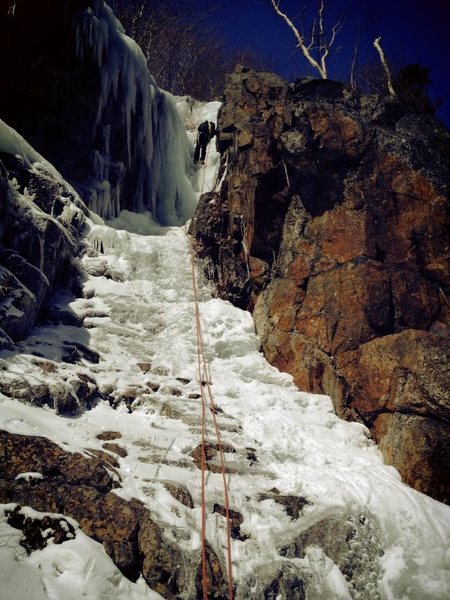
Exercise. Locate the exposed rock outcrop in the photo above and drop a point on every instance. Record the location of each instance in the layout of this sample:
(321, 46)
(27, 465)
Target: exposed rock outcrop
(332, 227)
(82, 488)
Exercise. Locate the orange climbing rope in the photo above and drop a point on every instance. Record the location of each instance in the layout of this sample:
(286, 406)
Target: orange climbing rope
(205, 383)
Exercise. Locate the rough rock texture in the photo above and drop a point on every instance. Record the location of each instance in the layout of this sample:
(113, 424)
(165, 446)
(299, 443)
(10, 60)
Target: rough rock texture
(38, 532)
(332, 226)
(82, 488)
(41, 218)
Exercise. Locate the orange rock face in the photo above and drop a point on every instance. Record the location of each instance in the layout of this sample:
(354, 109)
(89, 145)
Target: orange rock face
(339, 244)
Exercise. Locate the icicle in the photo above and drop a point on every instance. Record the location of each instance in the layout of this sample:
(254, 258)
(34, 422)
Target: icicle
(155, 136)
(40, 236)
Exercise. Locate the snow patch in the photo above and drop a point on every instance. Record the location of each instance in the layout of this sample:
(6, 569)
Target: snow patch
(78, 568)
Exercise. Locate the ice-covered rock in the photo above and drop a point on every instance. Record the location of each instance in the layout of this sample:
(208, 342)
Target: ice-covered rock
(41, 219)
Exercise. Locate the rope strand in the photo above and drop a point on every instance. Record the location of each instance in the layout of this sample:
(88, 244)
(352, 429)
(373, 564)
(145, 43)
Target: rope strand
(205, 382)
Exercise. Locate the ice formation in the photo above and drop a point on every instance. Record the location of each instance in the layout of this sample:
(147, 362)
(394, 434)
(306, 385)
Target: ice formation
(158, 153)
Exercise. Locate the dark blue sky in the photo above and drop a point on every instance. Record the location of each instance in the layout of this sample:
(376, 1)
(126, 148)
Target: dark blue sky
(412, 31)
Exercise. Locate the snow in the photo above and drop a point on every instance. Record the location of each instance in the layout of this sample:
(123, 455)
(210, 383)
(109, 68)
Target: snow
(79, 568)
(13, 143)
(29, 476)
(157, 147)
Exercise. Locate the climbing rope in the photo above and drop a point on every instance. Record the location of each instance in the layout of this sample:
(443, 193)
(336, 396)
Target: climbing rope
(204, 377)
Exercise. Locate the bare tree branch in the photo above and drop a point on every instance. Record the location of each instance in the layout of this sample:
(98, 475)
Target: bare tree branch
(187, 30)
(355, 54)
(300, 39)
(379, 49)
(319, 43)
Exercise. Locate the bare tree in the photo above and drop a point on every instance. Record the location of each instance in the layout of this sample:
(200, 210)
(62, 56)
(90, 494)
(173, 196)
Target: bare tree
(355, 54)
(387, 71)
(316, 46)
(174, 37)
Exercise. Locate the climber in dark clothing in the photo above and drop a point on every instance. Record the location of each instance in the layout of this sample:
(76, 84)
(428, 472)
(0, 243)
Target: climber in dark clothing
(206, 131)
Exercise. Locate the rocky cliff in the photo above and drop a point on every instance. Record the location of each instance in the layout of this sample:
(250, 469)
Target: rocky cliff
(332, 226)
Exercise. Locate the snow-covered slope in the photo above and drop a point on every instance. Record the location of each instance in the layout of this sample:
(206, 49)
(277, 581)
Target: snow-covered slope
(78, 569)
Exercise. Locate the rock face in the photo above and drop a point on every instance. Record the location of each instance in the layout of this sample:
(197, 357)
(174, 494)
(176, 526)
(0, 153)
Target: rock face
(331, 226)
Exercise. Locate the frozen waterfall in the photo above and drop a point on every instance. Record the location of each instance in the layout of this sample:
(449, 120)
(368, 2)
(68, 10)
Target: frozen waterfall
(158, 153)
